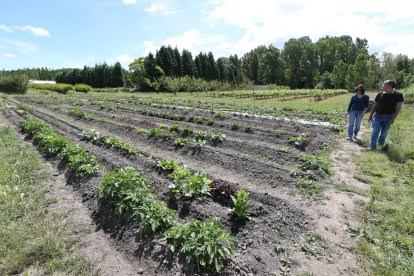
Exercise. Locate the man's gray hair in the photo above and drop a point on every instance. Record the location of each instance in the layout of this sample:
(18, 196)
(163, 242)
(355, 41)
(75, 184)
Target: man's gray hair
(390, 82)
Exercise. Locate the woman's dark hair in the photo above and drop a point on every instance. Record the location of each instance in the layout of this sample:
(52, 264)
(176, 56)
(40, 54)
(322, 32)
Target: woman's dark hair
(361, 88)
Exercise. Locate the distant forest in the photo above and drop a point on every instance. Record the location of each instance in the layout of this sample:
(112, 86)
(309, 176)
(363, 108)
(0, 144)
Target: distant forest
(330, 62)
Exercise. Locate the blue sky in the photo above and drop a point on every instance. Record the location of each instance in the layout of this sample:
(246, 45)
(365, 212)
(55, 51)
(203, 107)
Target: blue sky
(73, 33)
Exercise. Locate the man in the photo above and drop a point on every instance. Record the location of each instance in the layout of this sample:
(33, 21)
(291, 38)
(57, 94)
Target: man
(386, 107)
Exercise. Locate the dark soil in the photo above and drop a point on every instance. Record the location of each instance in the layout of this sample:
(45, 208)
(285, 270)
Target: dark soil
(239, 162)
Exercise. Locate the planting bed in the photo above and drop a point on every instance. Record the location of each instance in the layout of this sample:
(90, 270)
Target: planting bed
(265, 157)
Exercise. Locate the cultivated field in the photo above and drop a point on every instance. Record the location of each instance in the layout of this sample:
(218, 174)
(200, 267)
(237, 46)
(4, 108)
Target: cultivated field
(158, 171)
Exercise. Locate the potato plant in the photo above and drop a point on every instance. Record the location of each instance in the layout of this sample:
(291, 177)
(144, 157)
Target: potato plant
(184, 180)
(203, 242)
(129, 193)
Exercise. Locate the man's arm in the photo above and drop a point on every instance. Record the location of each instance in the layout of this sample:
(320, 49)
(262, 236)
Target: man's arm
(397, 111)
(373, 109)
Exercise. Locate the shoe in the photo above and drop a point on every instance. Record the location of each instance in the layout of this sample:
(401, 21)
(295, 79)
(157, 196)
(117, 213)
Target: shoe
(349, 139)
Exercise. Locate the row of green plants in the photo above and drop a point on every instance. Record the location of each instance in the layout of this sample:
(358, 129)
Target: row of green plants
(80, 114)
(62, 88)
(91, 135)
(78, 159)
(185, 135)
(280, 94)
(205, 243)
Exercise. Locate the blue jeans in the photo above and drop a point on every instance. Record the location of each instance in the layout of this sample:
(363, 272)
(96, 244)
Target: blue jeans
(355, 119)
(381, 125)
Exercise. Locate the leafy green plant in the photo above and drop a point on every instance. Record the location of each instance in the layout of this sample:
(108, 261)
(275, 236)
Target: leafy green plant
(180, 173)
(188, 131)
(218, 137)
(235, 126)
(166, 165)
(142, 131)
(80, 114)
(202, 135)
(153, 215)
(317, 161)
(155, 131)
(62, 88)
(79, 160)
(80, 87)
(175, 128)
(198, 143)
(50, 142)
(277, 132)
(121, 145)
(180, 142)
(300, 140)
(192, 185)
(90, 135)
(240, 204)
(203, 242)
(248, 129)
(129, 192)
(123, 189)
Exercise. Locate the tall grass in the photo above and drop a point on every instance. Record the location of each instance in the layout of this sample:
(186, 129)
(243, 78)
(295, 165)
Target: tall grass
(30, 236)
(386, 236)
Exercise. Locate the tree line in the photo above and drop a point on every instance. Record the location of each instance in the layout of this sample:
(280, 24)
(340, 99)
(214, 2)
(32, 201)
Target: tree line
(330, 62)
(100, 76)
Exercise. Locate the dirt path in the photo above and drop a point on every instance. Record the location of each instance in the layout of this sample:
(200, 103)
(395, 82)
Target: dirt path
(337, 214)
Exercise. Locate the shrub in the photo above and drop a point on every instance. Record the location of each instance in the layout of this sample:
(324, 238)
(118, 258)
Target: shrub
(13, 84)
(62, 88)
(80, 87)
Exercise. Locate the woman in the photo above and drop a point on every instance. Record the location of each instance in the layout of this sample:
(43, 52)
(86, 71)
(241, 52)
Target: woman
(357, 108)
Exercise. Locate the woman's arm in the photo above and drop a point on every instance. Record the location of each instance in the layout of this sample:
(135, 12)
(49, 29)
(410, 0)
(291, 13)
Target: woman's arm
(350, 104)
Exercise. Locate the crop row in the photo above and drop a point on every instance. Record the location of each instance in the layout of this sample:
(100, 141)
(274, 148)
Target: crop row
(203, 242)
(95, 137)
(79, 160)
(128, 192)
(281, 94)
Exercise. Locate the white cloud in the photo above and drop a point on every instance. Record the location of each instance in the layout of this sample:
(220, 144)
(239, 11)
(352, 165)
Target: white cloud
(160, 8)
(267, 21)
(149, 47)
(156, 7)
(9, 55)
(124, 59)
(191, 40)
(6, 29)
(17, 45)
(34, 30)
(129, 2)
